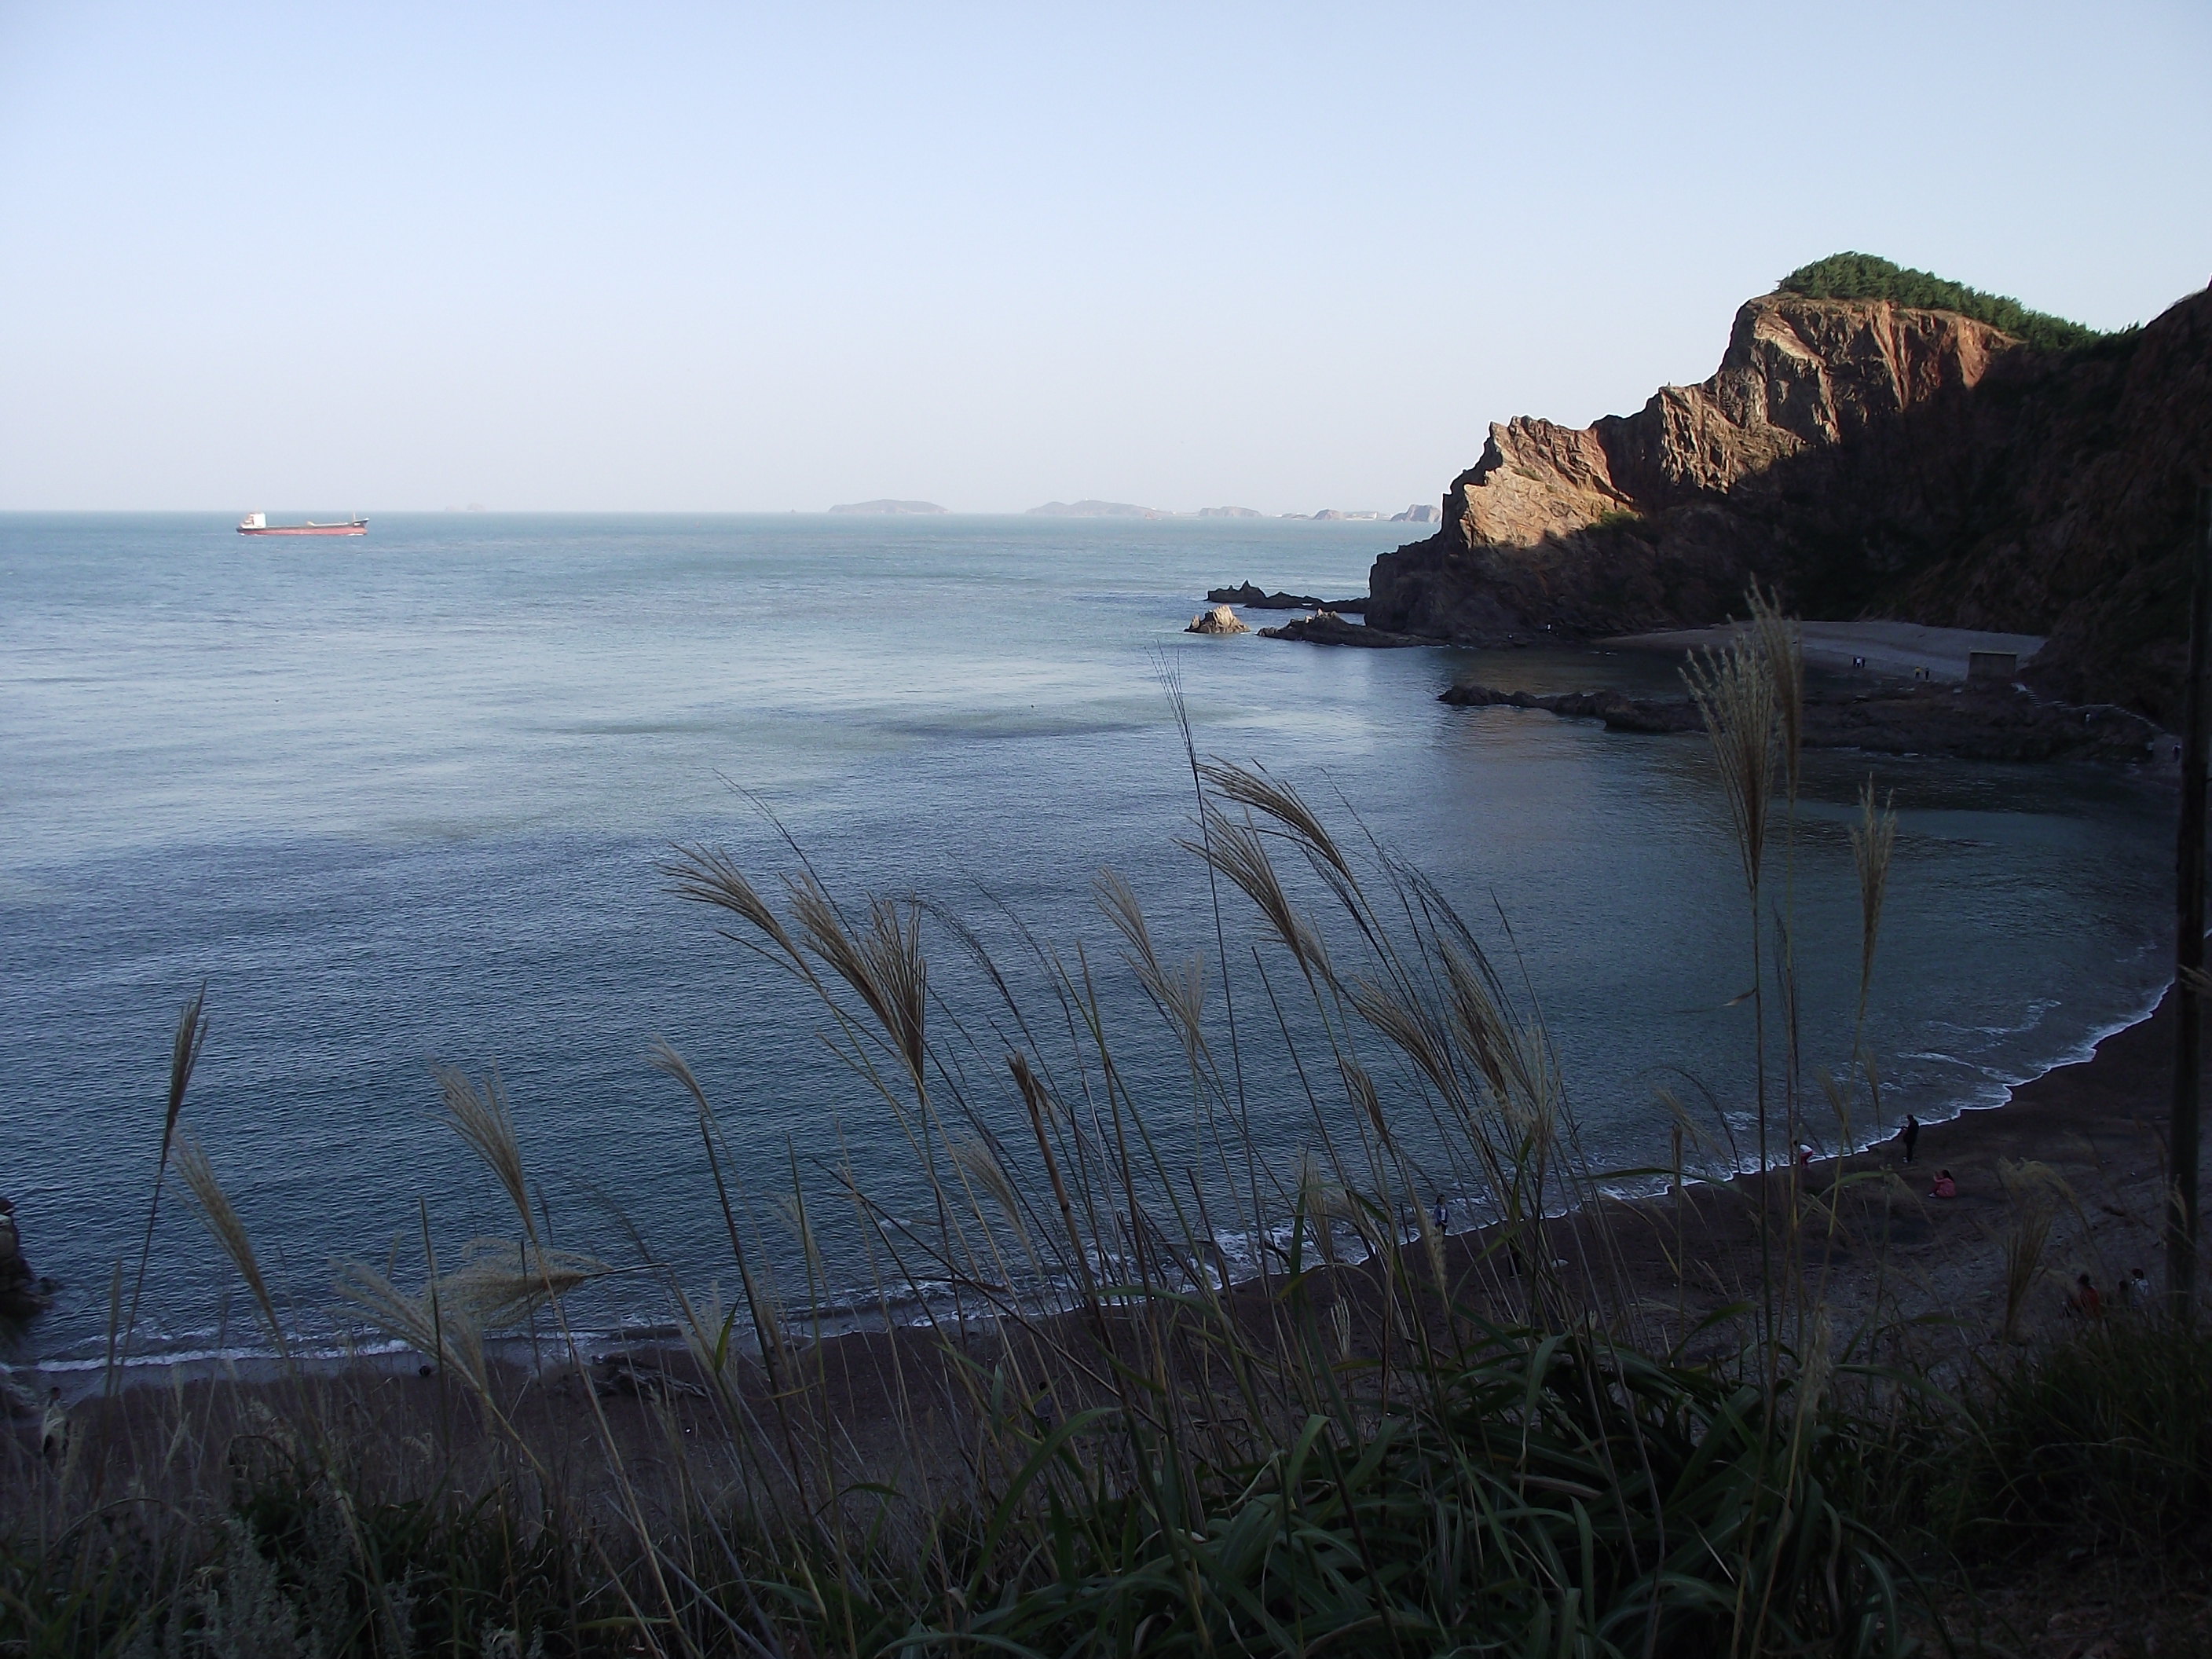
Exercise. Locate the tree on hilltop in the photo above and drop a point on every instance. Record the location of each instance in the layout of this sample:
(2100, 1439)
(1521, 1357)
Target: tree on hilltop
(1865, 276)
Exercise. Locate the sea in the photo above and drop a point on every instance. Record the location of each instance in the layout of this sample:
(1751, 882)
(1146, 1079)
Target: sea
(409, 800)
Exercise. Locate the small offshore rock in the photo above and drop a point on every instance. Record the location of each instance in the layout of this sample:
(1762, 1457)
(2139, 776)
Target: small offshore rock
(1256, 598)
(1620, 713)
(1220, 620)
(1327, 628)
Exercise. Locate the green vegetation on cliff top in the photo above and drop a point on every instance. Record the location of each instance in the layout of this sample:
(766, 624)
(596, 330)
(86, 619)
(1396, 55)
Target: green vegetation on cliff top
(1864, 277)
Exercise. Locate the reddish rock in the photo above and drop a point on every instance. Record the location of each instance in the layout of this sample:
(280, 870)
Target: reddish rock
(1867, 460)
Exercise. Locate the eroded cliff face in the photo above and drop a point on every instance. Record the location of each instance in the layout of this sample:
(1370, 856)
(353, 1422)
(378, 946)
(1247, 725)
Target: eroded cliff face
(1867, 460)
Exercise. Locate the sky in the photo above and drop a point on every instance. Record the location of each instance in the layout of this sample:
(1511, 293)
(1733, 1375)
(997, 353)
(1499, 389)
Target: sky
(733, 257)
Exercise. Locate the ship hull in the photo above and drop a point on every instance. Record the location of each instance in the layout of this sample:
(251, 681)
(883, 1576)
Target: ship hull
(305, 530)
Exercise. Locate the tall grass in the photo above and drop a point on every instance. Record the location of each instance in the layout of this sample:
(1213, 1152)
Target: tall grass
(2103, 1437)
(1082, 1433)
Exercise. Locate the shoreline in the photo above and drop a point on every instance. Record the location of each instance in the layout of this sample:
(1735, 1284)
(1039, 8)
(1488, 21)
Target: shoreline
(2096, 1123)
(2110, 1098)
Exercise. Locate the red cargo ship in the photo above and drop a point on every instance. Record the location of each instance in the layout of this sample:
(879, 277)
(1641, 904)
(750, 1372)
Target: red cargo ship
(257, 524)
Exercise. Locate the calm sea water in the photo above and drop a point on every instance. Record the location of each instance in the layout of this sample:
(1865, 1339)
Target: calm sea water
(400, 799)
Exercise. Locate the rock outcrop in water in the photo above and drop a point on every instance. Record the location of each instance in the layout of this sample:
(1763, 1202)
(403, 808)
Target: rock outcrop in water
(1220, 620)
(1327, 628)
(1253, 597)
(1989, 722)
(1868, 461)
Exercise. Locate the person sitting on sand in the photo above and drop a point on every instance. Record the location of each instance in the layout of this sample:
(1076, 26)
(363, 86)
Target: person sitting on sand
(2083, 1300)
(1945, 1185)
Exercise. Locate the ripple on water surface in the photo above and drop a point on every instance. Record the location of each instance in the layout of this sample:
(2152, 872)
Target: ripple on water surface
(403, 802)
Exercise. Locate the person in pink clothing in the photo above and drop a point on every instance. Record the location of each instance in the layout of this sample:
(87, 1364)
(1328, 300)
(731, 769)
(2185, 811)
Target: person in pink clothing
(1944, 1186)
(2083, 1300)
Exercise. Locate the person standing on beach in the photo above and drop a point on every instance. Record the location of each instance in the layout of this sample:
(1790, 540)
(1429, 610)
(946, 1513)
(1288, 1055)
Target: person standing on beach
(1443, 1214)
(1909, 1136)
(2084, 1300)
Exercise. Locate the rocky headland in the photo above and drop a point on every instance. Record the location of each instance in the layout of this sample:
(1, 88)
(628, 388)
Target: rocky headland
(1865, 458)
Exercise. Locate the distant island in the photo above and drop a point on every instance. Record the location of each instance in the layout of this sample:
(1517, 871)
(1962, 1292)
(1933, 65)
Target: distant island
(887, 506)
(1089, 508)
(1095, 510)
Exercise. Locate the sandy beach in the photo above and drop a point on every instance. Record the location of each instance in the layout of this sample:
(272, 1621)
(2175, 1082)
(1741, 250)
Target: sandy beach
(1883, 1249)
(1897, 649)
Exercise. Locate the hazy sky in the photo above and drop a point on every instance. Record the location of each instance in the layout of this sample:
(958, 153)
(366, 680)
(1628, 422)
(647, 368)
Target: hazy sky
(721, 257)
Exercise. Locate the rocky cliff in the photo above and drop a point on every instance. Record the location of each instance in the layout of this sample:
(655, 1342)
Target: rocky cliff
(1868, 460)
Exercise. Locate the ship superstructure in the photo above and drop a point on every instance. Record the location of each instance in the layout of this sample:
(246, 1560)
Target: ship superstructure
(257, 524)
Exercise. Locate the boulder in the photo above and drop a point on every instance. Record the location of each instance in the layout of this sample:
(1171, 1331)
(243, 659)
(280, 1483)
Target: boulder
(1220, 620)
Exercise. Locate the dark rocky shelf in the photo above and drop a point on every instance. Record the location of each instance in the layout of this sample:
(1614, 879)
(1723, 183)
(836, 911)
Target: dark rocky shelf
(1959, 722)
(1327, 628)
(1253, 599)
